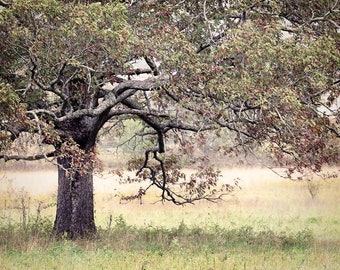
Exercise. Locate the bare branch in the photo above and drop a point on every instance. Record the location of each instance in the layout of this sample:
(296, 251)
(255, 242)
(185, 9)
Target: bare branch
(110, 102)
(137, 71)
(51, 86)
(27, 158)
(145, 85)
(42, 111)
(204, 126)
(336, 82)
(209, 43)
(138, 112)
(151, 63)
(4, 4)
(151, 122)
(120, 93)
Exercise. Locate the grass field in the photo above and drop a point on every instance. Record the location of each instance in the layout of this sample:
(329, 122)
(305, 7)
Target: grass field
(269, 224)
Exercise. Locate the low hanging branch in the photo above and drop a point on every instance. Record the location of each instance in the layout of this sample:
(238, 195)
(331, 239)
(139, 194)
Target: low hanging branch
(165, 174)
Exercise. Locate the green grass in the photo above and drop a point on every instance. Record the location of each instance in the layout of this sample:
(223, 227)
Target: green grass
(267, 225)
(129, 247)
(67, 256)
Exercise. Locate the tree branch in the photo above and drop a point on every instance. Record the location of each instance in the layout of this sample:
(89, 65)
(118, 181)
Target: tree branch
(4, 4)
(120, 93)
(51, 86)
(145, 85)
(137, 112)
(151, 63)
(28, 158)
(42, 111)
(210, 42)
(151, 122)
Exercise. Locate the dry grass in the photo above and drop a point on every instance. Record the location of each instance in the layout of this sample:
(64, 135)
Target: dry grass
(249, 230)
(264, 195)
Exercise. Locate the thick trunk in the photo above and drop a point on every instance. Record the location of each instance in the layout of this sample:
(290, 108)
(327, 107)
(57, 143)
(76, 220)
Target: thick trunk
(75, 213)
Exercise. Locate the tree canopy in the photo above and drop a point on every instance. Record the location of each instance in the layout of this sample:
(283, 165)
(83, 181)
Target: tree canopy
(266, 71)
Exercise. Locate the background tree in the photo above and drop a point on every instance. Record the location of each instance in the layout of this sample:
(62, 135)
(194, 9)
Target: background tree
(268, 71)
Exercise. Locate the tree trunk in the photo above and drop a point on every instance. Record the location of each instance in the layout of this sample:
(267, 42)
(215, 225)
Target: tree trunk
(75, 213)
(75, 209)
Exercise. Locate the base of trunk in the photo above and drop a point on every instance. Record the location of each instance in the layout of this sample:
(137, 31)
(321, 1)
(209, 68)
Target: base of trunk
(75, 210)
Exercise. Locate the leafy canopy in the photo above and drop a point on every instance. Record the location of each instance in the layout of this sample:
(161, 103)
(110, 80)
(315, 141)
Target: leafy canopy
(266, 71)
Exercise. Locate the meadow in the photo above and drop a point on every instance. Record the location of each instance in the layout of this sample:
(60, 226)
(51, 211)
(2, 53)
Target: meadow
(270, 223)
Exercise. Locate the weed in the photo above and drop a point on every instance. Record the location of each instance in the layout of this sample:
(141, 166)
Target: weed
(313, 187)
(120, 223)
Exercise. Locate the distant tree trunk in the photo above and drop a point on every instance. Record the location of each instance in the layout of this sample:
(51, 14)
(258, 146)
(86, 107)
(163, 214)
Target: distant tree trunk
(75, 213)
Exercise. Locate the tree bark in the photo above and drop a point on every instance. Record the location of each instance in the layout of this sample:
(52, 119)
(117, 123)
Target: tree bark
(75, 210)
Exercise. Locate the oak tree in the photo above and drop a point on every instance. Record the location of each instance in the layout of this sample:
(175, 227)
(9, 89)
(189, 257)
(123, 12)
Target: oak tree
(266, 71)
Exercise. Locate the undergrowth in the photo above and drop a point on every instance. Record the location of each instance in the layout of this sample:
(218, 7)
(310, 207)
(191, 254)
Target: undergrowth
(38, 232)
